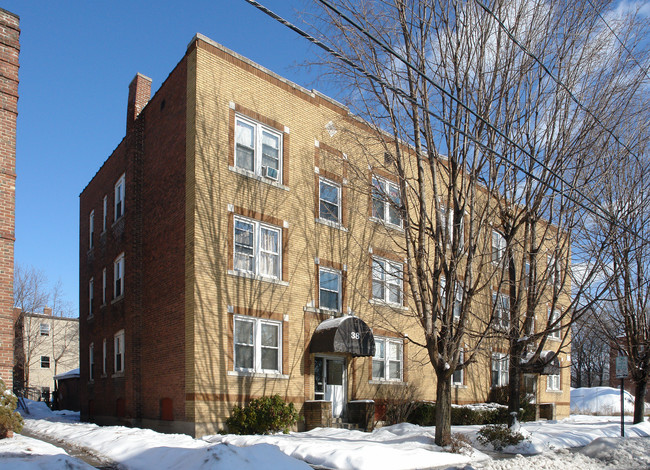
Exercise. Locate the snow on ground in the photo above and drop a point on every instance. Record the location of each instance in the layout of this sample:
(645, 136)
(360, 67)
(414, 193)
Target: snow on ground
(600, 400)
(403, 446)
(24, 453)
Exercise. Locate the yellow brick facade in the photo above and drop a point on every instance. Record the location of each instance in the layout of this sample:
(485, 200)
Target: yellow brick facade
(222, 85)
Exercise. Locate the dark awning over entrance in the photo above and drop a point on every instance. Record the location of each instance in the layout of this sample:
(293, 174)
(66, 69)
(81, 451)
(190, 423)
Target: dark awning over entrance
(544, 364)
(346, 334)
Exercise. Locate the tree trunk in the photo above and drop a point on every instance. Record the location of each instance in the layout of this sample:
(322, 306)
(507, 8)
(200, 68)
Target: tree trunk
(514, 394)
(443, 410)
(639, 400)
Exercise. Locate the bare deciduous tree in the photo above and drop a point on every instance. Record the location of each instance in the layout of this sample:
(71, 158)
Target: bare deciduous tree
(493, 124)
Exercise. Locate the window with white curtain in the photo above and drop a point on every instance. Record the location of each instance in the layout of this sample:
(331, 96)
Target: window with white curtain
(500, 375)
(258, 148)
(257, 248)
(388, 361)
(257, 344)
(387, 281)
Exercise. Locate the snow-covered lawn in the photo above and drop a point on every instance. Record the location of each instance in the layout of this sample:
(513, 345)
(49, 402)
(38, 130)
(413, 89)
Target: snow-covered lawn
(600, 400)
(403, 446)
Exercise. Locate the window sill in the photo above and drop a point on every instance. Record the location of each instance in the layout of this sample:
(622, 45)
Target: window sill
(117, 299)
(387, 382)
(323, 311)
(257, 277)
(458, 386)
(260, 375)
(250, 174)
(330, 223)
(554, 391)
(383, 303)
(551, 338)
(118, 375)
(90, 318)
(388, 225)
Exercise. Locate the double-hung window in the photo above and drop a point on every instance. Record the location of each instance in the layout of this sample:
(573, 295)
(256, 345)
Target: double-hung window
(498, 247)
(500, 376)
(329, 288)
(258, 149)
(104, 213)
(118, 345)
(104, 286)
(458, 376)
(257, 248)
(91, 294)
(387, 281)
(91, 229)
(257, 345)
(554, 316)
(329, 201)
(91, 362)
(118, 276)
(45, 362)
(45, 329)
(501, 310)
(388, 361)
(553, 382)
(104, 357)
(119, 197)
(449, 224)
(458, 297)
(386, 201)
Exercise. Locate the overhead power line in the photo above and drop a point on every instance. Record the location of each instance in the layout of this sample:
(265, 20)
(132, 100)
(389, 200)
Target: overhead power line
(601, 213)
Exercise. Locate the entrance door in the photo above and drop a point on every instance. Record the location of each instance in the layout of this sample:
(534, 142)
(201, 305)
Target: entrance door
(329, 377)
(530, 387)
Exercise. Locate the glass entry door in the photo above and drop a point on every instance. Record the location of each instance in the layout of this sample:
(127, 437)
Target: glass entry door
(530, 387)
(329, 382)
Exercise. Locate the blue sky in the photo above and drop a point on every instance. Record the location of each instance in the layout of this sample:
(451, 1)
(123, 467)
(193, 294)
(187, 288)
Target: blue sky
(77, 59)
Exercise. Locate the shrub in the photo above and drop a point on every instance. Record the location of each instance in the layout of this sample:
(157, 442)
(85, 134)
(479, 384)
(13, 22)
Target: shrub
(396, 403)
(460, 443)
(10, 419)
(263, 415)
(499, 436)
(423, 414)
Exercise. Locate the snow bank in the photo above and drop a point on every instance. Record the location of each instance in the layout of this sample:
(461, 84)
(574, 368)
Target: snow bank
(24, 453)
(605, 401)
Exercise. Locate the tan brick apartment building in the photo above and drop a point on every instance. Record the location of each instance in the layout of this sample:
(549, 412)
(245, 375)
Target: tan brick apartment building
(45, 346)
(228, 250)
(9, 50)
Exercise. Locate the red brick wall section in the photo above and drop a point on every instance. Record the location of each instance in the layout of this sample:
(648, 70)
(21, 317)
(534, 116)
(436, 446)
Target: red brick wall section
(151, 234)
(9, 50)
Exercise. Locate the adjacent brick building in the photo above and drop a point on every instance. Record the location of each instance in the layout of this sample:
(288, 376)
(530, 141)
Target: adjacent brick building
(9, 50)
(229, 250)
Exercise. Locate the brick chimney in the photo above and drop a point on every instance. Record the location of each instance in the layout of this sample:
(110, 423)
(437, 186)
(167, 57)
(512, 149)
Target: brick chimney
(47, 311)
(139, 95)
(9, 50)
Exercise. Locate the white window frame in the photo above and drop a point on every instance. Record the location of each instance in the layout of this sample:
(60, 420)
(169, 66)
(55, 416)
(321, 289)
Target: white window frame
(553, 383)
(256, 345)
(324, 181)
(338, 291)
(119, 202)
(500, 365)
(381, 190)
(447, 219)
(257, 250)
(45, 329)
(91, 229)
(104, 357)
(458, 377)
(498, 246)
(458, 297)
(118, 352)
(118, 276)
(553, 315)
(91, 296)
(501, 304)
(384, 278)
(258, 132)
(45, 360)
(91, 361)
(104, 212)
(384, 361)
(104, 286)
